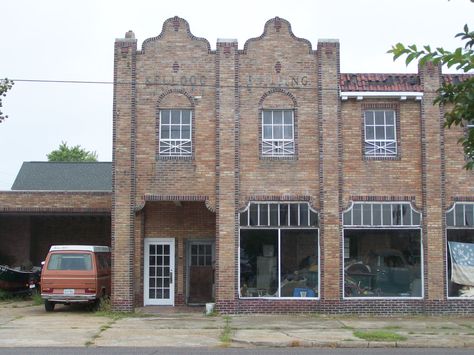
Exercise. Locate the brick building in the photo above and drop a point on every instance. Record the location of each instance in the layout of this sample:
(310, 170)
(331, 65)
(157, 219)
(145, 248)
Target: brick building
(266, 180)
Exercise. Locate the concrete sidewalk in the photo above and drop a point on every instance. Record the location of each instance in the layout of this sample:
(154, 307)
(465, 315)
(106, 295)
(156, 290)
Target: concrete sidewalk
(22, 324)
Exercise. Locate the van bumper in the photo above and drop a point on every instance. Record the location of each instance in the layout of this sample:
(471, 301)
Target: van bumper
(68, 299)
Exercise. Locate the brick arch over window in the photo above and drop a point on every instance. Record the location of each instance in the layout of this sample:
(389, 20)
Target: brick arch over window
(175, 98)
(178, 100)
(274, 100)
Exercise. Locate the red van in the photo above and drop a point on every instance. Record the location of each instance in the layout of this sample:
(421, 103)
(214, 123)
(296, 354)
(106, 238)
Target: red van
(75, 274)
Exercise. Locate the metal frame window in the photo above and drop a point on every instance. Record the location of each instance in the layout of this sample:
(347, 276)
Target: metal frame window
(459, 257)
(279, 215)
(273, 236)
(363, 214)
(175, 132)
(382, 251)
(461, 215)
(278, 133)
(380, 134)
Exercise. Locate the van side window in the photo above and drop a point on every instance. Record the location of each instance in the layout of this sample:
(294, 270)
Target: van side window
(104, 263)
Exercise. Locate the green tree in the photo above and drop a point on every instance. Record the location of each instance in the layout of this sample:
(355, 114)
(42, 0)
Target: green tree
(76, 153)
(5, 85)
(460, 95)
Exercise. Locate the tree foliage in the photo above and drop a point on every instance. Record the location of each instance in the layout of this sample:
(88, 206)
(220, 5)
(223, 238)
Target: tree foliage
(5, 85)
(76, 153)
(461, 94)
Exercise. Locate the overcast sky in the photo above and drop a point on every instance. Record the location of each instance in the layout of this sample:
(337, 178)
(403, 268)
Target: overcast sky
(74, 40)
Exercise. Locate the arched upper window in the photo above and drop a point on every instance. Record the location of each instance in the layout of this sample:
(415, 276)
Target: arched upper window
(373, 214)
(461, 215)
(282, 214)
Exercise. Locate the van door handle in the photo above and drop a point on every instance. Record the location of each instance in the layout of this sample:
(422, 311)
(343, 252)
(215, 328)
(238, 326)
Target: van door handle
(171, 277)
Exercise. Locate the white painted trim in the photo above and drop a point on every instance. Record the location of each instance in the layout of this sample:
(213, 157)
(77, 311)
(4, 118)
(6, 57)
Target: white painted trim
(163, 241)
(360, 95)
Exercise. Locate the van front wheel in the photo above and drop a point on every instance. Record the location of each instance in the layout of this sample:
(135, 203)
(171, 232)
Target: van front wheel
(49, 306)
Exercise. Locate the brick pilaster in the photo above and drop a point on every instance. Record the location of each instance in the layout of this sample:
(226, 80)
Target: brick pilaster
(330, 169)
(123, 215)
(433, 190)
(226, 169)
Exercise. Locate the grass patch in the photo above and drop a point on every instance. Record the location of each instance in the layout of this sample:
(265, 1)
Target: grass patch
(225, 336)
(392, 327)
(104, 309)
(378, 335)
(347, 327)
(36, 298)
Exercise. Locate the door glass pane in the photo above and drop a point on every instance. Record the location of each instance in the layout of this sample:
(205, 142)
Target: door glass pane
(159, 275)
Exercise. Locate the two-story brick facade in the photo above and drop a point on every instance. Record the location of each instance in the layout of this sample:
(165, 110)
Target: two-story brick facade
(265, 179)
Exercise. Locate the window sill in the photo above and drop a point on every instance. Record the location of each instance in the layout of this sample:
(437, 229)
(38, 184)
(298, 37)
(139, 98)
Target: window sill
(278, 157)
(175, 157)
(381, 157)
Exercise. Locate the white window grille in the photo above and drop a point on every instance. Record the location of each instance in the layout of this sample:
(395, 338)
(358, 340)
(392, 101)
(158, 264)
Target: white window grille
(278, 133)
(175, 133)
(293, 214)
(368, 214)
(461, 215)
(380, 133)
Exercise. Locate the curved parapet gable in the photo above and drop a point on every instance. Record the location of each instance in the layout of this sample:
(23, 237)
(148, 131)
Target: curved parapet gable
(178, 26)
(275, 26)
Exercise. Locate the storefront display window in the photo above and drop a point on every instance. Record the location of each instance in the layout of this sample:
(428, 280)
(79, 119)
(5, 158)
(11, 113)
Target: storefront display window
(460, 250)
(279, 254)
(382, 251)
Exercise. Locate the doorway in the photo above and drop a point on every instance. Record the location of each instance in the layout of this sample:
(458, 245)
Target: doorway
(159, 271)
(200, 271)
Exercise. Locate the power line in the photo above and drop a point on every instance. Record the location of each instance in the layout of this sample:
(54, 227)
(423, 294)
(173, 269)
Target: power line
(89, 82)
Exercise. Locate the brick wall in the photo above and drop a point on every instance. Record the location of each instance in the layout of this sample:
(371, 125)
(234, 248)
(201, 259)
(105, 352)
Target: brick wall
(226, 90)
(183, 222)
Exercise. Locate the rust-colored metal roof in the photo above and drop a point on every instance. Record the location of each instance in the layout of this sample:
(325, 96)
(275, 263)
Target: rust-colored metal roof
(380, 82)
(391, 82)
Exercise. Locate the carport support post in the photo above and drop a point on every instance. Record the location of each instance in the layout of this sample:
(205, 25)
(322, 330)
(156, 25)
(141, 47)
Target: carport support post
(123, 200)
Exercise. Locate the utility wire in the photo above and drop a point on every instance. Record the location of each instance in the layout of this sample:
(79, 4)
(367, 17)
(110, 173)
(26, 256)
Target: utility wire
(46, 81)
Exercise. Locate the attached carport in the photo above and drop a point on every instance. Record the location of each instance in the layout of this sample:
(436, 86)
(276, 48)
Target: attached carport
(54, 203)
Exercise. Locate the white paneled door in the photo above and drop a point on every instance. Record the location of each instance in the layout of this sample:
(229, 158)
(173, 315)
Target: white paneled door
(159, 271)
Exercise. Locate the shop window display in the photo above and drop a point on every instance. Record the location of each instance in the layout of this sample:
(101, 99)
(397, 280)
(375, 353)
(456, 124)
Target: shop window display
(279, 256)
(382, 250)
(460, 250)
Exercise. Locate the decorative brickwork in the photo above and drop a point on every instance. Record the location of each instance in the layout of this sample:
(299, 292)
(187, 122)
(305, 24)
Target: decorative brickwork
(227, 90)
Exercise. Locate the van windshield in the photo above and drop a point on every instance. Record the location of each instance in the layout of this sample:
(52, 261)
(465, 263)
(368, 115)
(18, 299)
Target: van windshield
(70, 261)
